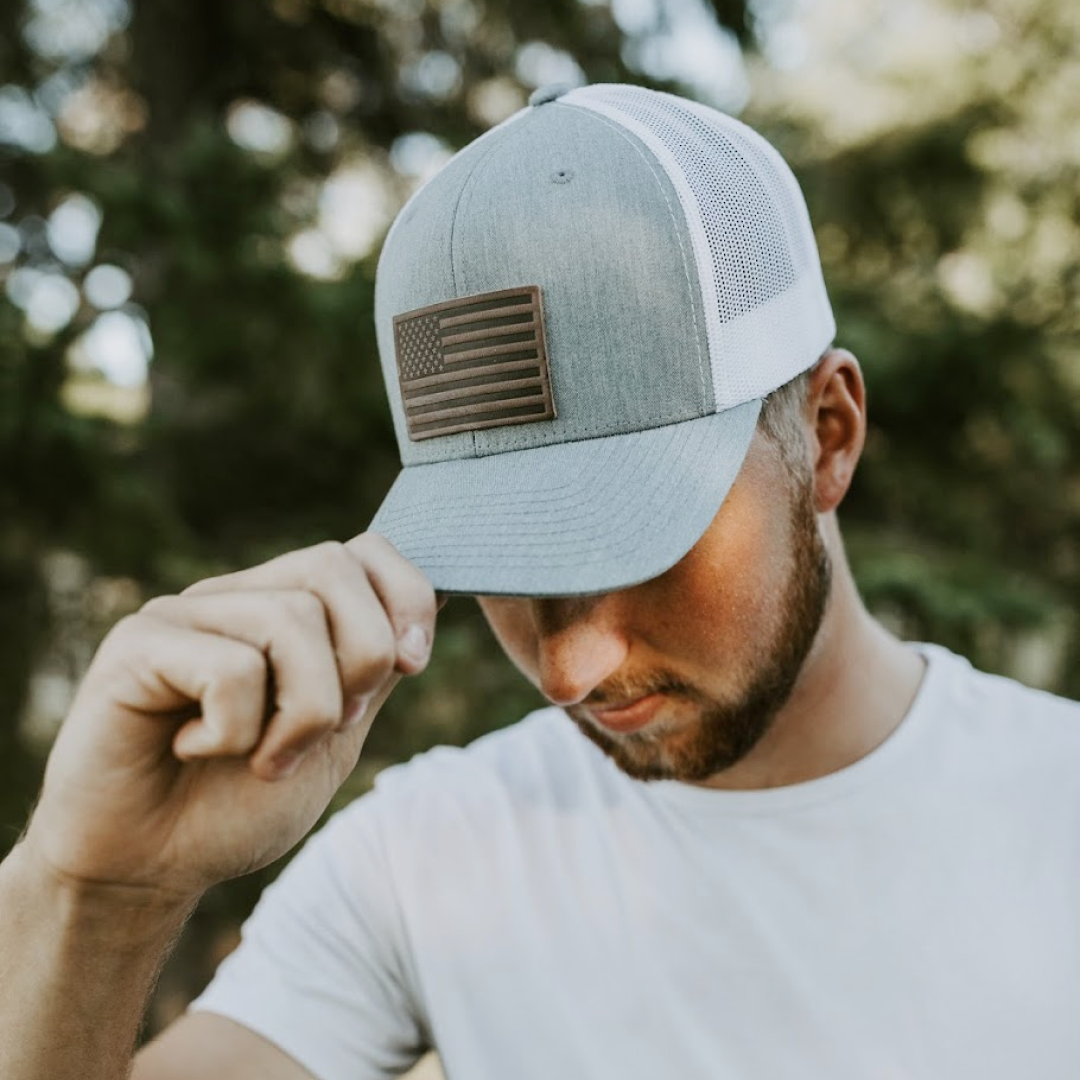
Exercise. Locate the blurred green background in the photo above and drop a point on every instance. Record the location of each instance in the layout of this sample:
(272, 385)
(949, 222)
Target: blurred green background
(192, 197)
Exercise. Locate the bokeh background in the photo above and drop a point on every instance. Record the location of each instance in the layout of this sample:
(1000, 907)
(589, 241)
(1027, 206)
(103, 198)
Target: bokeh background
(192, 198)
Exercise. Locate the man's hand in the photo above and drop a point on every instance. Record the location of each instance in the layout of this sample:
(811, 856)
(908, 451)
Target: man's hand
(213, 727)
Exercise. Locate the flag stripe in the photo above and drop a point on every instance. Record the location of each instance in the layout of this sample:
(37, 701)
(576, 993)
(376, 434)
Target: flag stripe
(463, 357)
(490, 419)
(422, 394)
(462, 373)
(492, 303)
(510, 324)
(515, 334)
(472, 390)
(477, 384)
(504, 312)
(473, 407)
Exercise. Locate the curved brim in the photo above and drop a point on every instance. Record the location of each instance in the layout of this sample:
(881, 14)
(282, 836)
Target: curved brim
(569, 519)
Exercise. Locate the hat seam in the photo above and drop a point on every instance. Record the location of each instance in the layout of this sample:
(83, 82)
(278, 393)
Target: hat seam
(746, 152)
(461, 198)
(653, 166)
(541, 539)
(649, 423)
(533, 503)
(526, 503)
(568, 553)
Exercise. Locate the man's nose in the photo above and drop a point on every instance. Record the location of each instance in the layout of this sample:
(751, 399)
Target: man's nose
(581, 641)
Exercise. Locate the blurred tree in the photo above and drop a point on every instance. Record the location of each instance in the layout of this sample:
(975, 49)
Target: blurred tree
(937, 146)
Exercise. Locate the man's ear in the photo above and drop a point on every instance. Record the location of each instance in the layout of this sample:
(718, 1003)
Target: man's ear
(836, 404)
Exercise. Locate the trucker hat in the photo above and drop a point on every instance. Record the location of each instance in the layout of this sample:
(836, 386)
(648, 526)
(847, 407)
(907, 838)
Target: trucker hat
(578, 318)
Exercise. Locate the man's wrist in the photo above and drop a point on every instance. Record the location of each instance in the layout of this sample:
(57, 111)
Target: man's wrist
(127, 917)
(79, 961)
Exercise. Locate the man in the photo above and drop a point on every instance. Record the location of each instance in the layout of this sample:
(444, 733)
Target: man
(787, 846)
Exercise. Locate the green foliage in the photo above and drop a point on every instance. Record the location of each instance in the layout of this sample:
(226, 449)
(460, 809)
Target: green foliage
(963, 519)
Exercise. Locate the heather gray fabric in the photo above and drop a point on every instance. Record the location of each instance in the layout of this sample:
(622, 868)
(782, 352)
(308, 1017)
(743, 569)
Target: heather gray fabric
(579, 199)
(609, 250)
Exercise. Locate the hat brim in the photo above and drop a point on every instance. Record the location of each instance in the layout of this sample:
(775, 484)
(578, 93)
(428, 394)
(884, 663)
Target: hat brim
(572, 518)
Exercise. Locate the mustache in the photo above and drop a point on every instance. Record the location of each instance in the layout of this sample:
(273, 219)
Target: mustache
(620, 691)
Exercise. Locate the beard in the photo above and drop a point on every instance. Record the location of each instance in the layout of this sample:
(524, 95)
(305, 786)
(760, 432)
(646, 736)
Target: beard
(727, 730)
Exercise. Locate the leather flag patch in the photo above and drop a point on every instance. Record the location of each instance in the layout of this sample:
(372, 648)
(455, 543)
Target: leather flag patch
(472, 363)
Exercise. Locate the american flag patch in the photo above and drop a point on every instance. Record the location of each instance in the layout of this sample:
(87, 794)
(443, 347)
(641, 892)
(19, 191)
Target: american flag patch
(477, 362)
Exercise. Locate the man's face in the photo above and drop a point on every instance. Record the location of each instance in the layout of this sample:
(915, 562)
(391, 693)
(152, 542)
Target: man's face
(679, 677)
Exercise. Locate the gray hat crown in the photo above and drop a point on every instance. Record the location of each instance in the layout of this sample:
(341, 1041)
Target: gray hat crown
(676, 281)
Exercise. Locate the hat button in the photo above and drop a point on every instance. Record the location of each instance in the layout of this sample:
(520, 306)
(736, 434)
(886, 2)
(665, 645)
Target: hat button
(548, 93)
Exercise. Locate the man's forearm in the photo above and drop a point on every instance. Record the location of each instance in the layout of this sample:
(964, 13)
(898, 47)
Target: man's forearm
(76, 970)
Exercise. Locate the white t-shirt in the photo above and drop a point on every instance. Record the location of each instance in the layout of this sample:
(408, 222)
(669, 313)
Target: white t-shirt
(533, 913)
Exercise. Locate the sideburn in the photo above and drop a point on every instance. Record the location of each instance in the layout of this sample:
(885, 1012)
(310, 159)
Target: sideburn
(728, 731)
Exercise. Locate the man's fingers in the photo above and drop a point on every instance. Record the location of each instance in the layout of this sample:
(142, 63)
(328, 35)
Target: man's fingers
(345, 577)
(377, 614)
(405, 593)
(290, 632)
(172, 667)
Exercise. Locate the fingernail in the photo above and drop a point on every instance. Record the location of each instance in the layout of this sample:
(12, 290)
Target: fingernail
(286, 763)
(355, 711)
(413, 645)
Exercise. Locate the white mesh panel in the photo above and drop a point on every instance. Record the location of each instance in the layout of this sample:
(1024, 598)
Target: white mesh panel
(767, 314)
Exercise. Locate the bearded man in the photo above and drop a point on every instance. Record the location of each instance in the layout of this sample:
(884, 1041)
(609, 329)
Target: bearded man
(788, 844)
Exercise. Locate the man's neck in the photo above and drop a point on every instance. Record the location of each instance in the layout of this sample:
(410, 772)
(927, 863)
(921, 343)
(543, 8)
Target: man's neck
(856, 687)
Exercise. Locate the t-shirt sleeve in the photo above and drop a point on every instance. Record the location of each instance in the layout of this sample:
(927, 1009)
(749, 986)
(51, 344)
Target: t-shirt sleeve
(322, 969)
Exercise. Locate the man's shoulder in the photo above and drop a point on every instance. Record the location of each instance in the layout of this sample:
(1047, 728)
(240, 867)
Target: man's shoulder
(998, 696)
(1023, 724)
